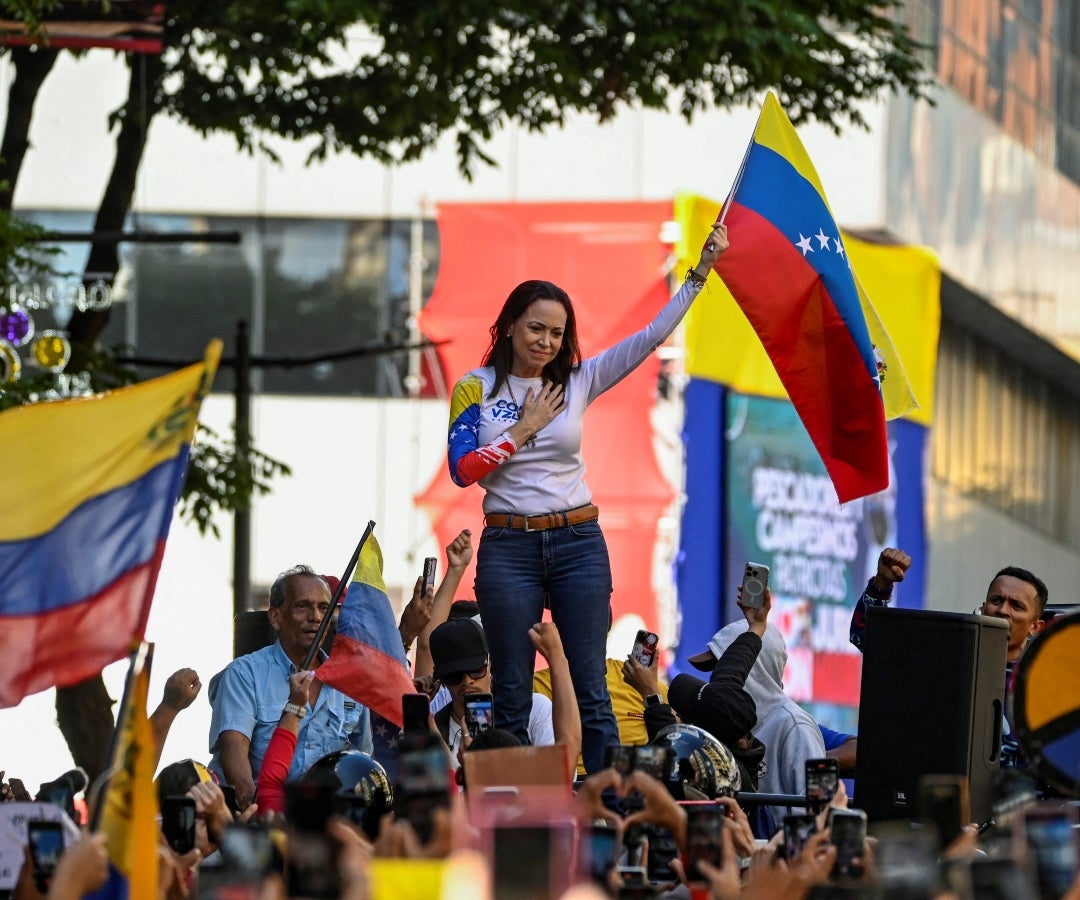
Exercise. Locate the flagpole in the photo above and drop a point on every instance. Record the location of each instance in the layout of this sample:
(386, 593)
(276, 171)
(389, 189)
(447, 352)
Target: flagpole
(742, 168)
(320, 636)
(98, 791)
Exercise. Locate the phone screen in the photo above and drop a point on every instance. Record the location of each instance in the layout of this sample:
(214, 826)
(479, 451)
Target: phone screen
(703, 826)
(422, 787)
(943, 800)
(531, 862)
(415, 710)
(247, 850)
(822, 780)
(847, 833)
(654, 761)
(479, 713)
(1051, 842)
(619, 757)
(312, 870)
(797, 830)
(178, 823)
(600, 845)
(46, 840)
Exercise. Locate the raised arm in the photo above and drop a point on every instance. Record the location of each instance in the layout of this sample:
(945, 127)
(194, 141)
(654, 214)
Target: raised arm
(612, 365)
(181, 689)
(565, 719)
(459, 553)
(891, 568)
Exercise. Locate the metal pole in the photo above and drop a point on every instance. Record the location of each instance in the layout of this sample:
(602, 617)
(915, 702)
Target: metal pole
(242, 517)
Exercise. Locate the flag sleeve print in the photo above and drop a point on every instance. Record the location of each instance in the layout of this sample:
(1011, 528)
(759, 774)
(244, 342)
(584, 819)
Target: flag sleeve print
(468, 461)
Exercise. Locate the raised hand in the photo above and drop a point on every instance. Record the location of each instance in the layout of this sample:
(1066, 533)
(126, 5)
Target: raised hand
(892, 566)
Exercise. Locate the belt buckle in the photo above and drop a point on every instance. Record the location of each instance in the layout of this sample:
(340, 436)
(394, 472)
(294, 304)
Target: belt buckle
(527, 528)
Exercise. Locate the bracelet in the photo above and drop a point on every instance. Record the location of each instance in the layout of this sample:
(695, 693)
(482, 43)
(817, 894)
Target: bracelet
(693, 276)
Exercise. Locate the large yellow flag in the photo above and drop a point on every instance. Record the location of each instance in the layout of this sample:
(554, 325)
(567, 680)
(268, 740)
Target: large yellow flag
(129, 817)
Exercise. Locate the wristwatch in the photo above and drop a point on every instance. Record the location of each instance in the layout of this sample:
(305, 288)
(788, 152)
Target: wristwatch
(653, 700)
(295, 709)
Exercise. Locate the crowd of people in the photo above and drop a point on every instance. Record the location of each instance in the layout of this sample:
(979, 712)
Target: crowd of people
(697, 788)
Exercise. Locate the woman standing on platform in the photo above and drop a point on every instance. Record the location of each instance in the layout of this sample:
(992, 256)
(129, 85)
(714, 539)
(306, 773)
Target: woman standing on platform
(515, 427)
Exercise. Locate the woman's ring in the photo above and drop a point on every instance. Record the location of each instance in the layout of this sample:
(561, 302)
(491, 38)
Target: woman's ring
(710, 247)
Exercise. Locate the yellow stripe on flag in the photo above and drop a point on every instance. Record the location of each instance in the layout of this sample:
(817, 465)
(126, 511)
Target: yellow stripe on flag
(129, 818)
(58, 455)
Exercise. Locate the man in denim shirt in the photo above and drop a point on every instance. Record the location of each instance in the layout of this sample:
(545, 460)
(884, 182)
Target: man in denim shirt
(247, 698)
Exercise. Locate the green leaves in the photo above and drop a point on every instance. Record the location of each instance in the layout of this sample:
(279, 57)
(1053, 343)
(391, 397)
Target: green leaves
(388, 79)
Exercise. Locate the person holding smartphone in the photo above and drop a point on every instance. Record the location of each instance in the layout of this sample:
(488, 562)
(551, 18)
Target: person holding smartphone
(789, 733)
(248, 696)
(460, 653)
(516, 429)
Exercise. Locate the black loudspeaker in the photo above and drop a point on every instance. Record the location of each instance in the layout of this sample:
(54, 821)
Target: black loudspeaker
(251, 631)
(932, 701)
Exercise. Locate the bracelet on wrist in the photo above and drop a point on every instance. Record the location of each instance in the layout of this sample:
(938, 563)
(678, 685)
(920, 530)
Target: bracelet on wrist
(693, 276)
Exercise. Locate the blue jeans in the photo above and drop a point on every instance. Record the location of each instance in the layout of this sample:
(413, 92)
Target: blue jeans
(515, 569)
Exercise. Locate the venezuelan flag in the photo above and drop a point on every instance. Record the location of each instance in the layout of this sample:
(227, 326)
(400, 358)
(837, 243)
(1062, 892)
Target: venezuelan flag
(89, 486)
(129, 814)
(367, 660)
(789, 271)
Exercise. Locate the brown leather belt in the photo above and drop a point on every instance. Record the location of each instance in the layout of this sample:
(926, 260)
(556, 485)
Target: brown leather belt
(545, 521)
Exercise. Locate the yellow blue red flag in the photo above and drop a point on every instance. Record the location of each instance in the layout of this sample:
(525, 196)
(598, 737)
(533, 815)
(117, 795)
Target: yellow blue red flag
(129, 814)
(90, 484)
(789, 271)
(367, 660)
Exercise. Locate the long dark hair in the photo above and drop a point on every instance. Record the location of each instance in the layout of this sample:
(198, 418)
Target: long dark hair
(500, 352)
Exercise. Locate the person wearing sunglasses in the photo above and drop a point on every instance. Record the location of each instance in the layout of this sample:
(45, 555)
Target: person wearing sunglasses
(459, 651)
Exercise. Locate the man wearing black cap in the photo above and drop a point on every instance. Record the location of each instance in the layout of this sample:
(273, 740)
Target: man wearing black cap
(460, 653)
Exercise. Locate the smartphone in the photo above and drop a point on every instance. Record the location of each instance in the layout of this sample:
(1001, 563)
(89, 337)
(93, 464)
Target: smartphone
(46, 840)
(635, 883)
(415, 713)
(822, 781)
(645, 647)
(995, 878)
(619, 757)
(943, 801)
(430, 564)
(311, 869)
(755, 581)
(655, 761)
(531, 862)
(797, 830)
(704, 824)
(663, 850)
(421, 788)
(178, 822)
(230, 799)
(600, 848)
(247, 850)
(479, 713)
(1050, 837)
(848, 834)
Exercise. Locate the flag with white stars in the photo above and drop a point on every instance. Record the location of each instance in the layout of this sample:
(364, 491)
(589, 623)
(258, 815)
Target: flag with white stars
(367, 660)
(789, 271)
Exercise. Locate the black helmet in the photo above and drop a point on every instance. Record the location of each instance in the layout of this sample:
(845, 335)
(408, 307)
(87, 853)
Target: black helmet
(704, 768)
(360, 786)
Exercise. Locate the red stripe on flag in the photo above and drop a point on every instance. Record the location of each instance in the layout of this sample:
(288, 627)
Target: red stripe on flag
(367, 675)
(812, 350)
(69, 645)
